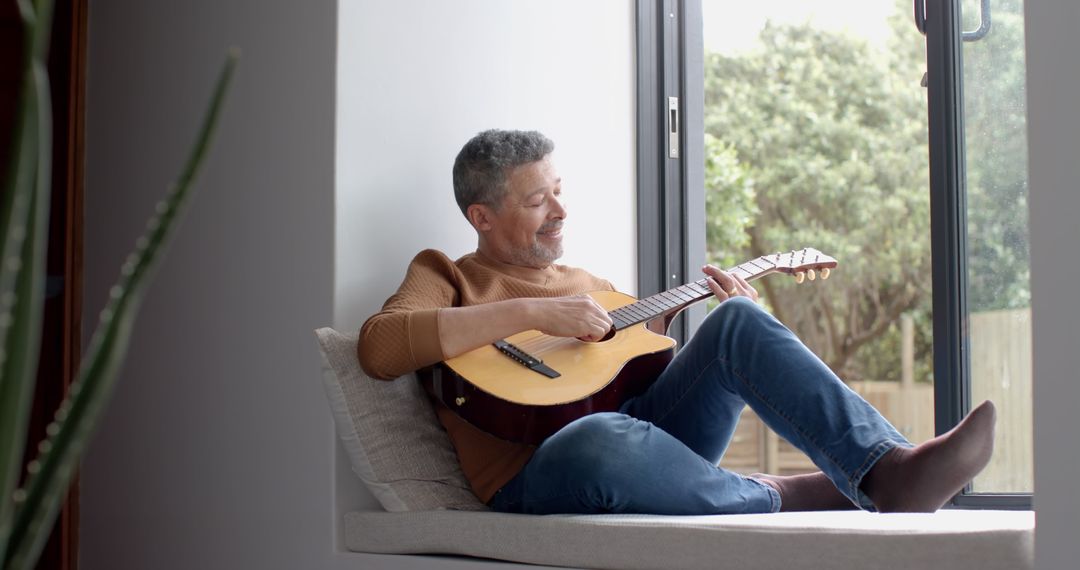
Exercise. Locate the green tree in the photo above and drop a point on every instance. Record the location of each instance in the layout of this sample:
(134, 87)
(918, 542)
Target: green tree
(829, 137)
(995, 129)
(730, 207)
(832, 141)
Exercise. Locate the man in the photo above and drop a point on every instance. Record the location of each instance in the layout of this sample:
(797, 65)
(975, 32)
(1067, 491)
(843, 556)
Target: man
(659, 453)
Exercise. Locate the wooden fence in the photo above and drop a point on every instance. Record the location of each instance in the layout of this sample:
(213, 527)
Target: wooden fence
(1001, 373)
(756, 448)
(1000, 344)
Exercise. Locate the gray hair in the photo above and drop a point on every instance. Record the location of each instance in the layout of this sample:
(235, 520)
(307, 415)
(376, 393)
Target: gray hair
(481, 167)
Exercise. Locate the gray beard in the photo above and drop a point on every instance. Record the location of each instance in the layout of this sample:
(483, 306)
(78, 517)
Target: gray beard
(536, 255)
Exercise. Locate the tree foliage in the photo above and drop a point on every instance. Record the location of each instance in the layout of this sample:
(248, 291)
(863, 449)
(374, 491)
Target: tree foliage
(834, 146)
(730, 205)
(995, 131)
(819, 139)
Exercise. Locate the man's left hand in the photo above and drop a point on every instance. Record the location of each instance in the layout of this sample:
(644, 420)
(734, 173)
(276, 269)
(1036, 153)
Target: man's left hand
(725, 285)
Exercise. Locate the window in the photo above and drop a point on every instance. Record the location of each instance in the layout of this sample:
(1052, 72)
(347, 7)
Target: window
(978, 155)
(815, 136)
(807, 125)
(998, 271)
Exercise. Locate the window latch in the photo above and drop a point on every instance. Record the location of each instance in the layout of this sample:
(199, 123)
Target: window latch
(984, 24)
(972, 36)
(673, 127)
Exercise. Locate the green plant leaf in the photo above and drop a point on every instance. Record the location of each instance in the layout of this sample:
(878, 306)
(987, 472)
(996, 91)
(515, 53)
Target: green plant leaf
(23, 220)
(22, 342)
(49, 474)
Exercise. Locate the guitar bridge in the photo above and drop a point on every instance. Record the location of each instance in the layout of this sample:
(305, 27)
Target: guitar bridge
(525, 359)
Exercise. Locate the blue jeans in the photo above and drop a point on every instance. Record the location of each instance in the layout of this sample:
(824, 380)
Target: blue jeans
(658, 454)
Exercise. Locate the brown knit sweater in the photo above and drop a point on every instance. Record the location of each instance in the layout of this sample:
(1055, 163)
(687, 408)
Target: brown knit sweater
(404, 336)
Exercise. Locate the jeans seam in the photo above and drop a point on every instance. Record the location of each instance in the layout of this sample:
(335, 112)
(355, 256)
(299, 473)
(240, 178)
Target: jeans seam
(559, 496)
(693, 384)
(775, 502)
(769, 404)
(853, 477)
(519, 504)
(877, 453)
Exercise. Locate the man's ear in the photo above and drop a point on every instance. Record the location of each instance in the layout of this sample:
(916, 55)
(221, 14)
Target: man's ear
(479, 216)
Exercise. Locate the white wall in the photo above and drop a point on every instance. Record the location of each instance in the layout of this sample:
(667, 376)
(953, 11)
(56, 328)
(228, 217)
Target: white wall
(1053, 81)
(217, 450)
(417, 78)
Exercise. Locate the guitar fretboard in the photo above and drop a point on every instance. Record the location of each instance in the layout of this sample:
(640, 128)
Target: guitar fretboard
(682, 296)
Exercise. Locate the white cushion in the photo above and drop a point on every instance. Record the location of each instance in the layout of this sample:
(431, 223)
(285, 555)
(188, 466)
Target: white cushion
(953, 539)
(394, 441)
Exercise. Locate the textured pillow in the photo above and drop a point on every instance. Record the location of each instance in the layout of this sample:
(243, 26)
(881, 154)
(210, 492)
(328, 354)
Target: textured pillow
(394, 441)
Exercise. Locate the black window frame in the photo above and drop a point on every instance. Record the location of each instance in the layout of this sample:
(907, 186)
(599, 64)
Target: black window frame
(670, 63)
(948, 231)
(670, 54)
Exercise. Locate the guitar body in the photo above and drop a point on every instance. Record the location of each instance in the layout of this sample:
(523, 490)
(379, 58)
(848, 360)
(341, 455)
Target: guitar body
(512, 402)
(506, 392)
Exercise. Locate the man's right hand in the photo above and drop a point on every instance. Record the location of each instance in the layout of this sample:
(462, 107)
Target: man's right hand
(576, 316)
(462, 329)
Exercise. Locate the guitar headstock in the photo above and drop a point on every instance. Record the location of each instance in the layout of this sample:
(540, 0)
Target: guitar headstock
(802, 263)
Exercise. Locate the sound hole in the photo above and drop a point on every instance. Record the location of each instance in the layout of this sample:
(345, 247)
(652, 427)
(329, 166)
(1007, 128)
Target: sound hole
(610, 334)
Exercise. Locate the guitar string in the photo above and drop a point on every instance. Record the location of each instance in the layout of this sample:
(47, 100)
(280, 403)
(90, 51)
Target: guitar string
(650, 307)
(653, 306)
(542, 344)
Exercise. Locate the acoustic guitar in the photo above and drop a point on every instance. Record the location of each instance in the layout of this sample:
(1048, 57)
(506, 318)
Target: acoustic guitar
(528, 386)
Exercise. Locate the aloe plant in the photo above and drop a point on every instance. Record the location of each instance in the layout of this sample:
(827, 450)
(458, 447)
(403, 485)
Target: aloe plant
(27, 513)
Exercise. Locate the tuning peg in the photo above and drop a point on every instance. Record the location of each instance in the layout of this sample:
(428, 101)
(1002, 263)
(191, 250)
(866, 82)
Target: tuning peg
(810, 273)
(825, 273)
(800, 277)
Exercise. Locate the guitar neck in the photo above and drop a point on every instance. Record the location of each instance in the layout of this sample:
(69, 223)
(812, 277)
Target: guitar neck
(677, 299)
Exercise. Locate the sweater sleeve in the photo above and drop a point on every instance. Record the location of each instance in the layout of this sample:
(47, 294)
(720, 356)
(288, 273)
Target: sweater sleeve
(404, 335)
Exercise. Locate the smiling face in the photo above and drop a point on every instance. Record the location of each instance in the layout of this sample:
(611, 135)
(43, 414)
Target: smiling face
(526, 228)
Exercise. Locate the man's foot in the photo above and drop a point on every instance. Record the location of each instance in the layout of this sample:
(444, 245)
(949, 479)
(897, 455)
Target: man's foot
(925, 477)
(809, 492)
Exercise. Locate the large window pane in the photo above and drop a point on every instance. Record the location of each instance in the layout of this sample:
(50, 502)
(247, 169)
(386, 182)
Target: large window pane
(816, 136)
(999, 293)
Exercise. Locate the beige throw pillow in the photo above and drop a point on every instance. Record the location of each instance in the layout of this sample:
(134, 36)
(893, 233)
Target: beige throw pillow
(395, 443)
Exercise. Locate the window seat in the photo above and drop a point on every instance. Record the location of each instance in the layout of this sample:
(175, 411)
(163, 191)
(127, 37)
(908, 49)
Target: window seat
(954, 539)
(399, 451)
